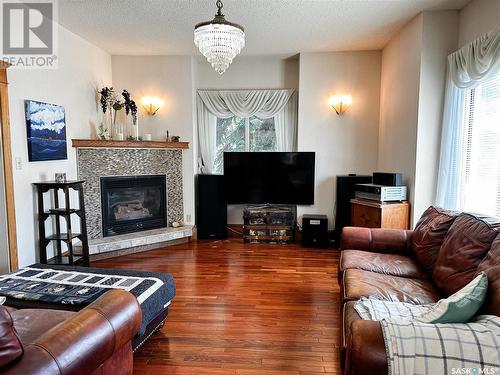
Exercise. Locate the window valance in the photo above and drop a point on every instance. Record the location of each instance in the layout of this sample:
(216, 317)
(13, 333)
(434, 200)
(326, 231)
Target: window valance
(475, 61)
(245, 103)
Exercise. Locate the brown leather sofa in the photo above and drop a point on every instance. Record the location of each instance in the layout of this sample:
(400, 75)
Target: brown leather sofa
(444, 252)
(95, 340)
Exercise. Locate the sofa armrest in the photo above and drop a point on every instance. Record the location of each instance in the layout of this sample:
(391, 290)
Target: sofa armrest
(390, 241)
(365, 352)
(83, 342)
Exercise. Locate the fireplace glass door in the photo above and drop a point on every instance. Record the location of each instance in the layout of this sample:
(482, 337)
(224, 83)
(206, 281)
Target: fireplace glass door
(133, 203)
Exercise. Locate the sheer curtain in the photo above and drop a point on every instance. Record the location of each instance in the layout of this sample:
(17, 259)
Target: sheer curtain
(281, 104)
(467, 68)
(207, 137)
(286, 126)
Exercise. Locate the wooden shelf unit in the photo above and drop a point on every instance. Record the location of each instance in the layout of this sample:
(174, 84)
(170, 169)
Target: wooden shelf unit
(99, 143)
(70, 257)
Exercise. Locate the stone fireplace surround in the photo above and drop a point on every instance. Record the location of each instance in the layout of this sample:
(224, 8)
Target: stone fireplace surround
(94, 163)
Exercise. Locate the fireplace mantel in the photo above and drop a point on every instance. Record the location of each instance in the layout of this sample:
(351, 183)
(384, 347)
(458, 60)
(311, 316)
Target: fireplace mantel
(99, 143)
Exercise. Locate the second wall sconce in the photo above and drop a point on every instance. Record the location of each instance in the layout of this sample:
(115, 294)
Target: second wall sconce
(151, 104)
(340, 103)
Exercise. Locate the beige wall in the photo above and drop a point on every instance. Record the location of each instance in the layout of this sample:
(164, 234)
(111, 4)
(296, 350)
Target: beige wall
(399, 103)
(477, 18)
(439, 39)
(333, 138)
(411, 105)
(343, 144)
(83, 68)
(251, 72)
(171, 79)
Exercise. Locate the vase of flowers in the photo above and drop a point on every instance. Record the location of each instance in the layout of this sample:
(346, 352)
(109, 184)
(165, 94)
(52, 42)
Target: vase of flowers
(108, 101)
(131, 116)
(114, 125)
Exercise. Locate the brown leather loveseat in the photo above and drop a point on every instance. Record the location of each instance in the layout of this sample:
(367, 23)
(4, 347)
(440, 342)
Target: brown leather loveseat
(444, 252)
(95, 340)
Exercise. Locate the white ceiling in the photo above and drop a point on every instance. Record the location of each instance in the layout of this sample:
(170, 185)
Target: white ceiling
(165, 27)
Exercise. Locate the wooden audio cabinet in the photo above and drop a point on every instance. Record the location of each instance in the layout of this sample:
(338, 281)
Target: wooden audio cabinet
(373, 214)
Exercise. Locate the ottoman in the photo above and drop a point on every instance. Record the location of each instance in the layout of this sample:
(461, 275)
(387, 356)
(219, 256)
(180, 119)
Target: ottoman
(73, 288)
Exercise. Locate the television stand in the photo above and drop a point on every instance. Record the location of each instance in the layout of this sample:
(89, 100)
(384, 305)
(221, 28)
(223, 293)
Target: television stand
(269, 224)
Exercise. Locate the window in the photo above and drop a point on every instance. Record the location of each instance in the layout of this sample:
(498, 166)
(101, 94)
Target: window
(479, 185)
(243, 134)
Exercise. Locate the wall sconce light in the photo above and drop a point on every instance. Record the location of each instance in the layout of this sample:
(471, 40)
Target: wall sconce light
(151, 104)
(340, 103)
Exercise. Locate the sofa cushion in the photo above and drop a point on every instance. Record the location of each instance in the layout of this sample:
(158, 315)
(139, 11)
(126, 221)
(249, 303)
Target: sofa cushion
(491, 266)
(464, 247)
(429, 234)
(10, 346)
(360, 283)
(388, 264)
(389, 241)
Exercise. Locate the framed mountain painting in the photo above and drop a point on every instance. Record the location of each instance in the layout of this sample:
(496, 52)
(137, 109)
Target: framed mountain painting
(46, 130)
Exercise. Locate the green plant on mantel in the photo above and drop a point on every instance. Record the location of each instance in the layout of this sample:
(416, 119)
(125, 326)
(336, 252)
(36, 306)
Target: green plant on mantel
(131, 138)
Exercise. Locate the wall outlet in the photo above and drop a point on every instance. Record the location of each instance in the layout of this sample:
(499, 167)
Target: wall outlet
(188, 218)
(19, 163)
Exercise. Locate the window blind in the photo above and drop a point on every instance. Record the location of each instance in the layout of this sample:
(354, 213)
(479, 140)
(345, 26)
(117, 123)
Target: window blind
(479, 189)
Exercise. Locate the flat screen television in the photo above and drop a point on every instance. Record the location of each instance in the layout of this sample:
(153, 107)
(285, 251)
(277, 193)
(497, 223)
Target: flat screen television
(269, 177)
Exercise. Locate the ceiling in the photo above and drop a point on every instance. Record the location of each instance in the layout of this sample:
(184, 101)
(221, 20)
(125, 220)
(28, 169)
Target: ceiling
(165, 27)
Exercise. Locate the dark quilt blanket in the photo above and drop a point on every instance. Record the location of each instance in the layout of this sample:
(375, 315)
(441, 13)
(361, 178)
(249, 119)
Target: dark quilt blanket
(72, 288)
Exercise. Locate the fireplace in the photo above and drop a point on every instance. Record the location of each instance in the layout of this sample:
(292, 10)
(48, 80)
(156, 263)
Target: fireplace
(133, 203)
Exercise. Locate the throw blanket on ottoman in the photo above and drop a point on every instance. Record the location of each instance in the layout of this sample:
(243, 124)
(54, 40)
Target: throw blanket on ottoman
(72, 288)
(450, 348)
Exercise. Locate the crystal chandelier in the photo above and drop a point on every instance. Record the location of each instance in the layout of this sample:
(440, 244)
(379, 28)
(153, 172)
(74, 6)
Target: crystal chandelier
(219, 41)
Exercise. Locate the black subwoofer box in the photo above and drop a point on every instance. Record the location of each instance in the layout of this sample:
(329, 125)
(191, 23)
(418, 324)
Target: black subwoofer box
(314, 231)
(211, 207)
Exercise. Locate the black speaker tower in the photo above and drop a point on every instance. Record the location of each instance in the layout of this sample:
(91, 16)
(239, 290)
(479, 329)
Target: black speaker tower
(211, 207)
(345, 192)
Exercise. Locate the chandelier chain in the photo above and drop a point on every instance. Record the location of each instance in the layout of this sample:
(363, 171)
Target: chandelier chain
(219, 7)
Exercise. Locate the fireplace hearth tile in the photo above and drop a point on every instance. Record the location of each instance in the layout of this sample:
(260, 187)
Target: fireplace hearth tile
(130, 240)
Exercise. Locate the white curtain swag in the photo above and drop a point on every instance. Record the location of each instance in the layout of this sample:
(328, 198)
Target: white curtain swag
(245, 103)
(475, 61)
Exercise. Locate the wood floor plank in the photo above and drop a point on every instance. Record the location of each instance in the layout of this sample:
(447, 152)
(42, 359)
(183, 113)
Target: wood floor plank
(243, 309)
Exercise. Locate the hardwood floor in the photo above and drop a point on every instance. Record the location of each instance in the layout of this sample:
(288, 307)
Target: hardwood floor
(243, 310)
